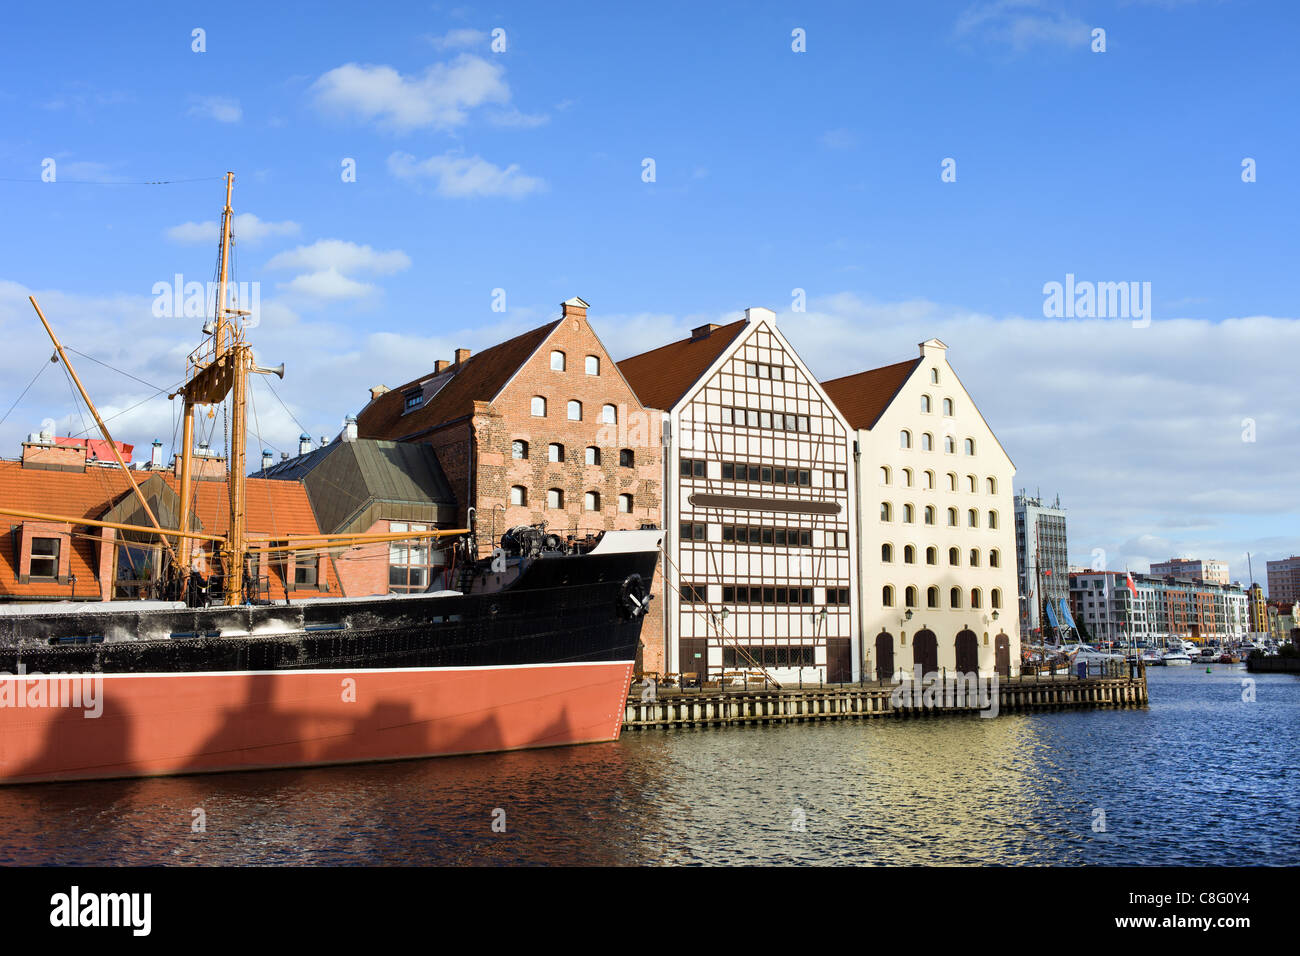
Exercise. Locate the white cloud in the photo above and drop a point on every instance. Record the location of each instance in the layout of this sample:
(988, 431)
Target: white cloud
(1022, 24)
(439, 98)
(513, 118)
(460, 39)
(341, 256)
(330, 285)
(246, 227)
(459, 177)
(223, 109)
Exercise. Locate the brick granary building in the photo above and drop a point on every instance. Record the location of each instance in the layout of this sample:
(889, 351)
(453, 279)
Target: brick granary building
(542, 428)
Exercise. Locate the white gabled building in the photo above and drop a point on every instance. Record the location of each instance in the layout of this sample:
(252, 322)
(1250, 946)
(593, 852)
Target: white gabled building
(758, 506)
(937, 545)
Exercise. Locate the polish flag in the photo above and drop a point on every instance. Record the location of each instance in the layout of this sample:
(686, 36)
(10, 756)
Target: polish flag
(1128, 583)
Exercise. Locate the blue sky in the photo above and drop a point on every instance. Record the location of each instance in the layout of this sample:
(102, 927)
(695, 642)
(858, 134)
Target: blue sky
(820, 170)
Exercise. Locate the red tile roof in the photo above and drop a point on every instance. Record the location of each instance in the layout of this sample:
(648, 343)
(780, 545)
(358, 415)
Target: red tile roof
(479, 378)
(274, 508)
(863, 397)
(662, 376)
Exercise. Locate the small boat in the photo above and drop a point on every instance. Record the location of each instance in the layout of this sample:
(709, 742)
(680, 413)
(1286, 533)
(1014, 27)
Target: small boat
(1174, 657)
(1152, 658)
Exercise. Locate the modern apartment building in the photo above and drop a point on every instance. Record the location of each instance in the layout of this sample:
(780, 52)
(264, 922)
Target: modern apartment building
(1162, 608)
(936, 540)
(758, 506)
(1284, 579)
(1195, 569)
(1041, 562)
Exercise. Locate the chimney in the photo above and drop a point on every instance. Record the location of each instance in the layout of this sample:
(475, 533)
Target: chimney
(304, 444)
(284, 456)
(377, 391)
(155, 460)
(462, 355)
(324, 441)
(704, 331)
(574, 308)
(350, 428)
(48, 456)
(441, 365)
(757, 314)
(932, 348)
(266, 459)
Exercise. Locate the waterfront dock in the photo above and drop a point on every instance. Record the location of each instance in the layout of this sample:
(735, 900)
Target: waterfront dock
(720, 706)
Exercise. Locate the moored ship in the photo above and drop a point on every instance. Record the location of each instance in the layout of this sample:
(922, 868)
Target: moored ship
(533, 646)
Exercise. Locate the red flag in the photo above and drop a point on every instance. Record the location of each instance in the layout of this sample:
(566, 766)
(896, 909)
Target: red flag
(1128, 583)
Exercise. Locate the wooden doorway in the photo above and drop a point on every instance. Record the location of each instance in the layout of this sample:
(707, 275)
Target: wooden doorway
(693, 658)
(968, 652)
(884, 656)
(1002, 654)
(925, 652)
(839, 660)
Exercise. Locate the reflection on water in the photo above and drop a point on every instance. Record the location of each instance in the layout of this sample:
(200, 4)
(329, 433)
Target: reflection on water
(1200, 778)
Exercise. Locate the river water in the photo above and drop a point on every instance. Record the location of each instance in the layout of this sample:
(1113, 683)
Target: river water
(1201, 777)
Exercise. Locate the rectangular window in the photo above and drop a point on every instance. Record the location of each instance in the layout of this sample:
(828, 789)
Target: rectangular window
(728, 470)
(305, 569)
(45, 558)
(694, 593)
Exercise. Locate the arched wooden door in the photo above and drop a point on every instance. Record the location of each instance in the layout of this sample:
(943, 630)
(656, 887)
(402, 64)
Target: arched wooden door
(925, 652)
(968, 652)
(1002, 652)
(884, 656)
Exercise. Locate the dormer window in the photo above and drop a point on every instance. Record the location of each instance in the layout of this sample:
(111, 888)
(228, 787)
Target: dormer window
(414, 400)
(44, 561)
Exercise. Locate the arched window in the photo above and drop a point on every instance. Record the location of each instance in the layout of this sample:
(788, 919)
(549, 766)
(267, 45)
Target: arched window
(519, 448)
(909, 554)
(931, 597)
(975, 597)
(947, 407)
(593, 455)
(907, 514)
(929, 480)
(934, 376)
(625, 504)
(555, 498)
(575, 410)
(932, 555)
(993, 519)
(993, 486)
(887, 596)
(973, 483)
(973, 518)
(555, 452)
(905, 439)
(886, 553)
(995, 599)
(929, 514)
(518, 495)
(995, 558)
(626, 458)
(952, 481)
(954, 597)
(609, 414)
(974, 557)
(886, 512)
(927, 442)
(952, 517)
(909, 597)
(591, 501)
(950, 445)
(907, 477)
(884, 474)
(557, 361)
(970, 446)
(539, 406)
(925, 403)
(954, 556)
(593, 365)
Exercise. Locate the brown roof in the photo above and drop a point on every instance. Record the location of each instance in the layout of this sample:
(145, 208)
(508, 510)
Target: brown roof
(662, 376)
(863, 397)
(478, 379)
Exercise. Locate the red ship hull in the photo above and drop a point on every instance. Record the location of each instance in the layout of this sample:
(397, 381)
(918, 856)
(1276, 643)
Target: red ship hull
(163, 724)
